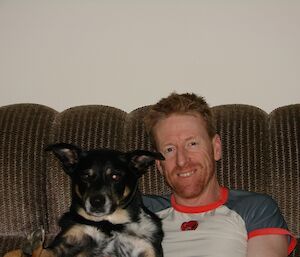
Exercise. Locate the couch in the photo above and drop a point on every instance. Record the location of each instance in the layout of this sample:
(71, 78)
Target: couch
(261, 153)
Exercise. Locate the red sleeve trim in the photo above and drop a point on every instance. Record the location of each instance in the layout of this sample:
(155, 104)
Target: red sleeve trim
(275, 231)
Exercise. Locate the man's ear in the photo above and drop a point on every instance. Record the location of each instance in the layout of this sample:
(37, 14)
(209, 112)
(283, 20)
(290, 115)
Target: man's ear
(68, 155)
(159, 167)
(217, 147)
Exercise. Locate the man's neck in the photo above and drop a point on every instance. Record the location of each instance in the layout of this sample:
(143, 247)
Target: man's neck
(209, 195)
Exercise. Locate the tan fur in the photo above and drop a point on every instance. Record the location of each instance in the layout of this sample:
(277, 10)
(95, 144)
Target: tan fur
(75, 233)
(119, 216)
(77, 191)
(39, 252)
(127, 191)
(14, 253)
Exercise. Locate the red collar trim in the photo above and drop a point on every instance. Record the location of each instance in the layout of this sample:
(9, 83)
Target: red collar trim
(202, 208)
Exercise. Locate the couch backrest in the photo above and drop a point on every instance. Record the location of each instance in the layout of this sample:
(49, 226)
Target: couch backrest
(260, 153)
(23, 136)
(283, 176)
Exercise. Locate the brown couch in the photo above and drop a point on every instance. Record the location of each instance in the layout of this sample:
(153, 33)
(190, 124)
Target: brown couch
(261, 152)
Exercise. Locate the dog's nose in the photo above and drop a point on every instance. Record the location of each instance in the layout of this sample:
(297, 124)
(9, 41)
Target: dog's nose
(97, 202)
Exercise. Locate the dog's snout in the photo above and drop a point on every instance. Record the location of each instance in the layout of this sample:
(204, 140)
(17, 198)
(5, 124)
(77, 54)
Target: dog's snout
(97, 201)
(99, 205)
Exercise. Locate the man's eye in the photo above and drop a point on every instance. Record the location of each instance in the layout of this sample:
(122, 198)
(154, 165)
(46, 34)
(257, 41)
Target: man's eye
(193, 143)
(169, 150)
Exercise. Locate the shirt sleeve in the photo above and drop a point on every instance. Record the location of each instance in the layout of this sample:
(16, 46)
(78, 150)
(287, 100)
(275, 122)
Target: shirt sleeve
(262, 216)
(156, 203)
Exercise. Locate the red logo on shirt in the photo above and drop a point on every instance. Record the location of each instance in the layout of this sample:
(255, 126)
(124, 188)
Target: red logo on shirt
(190, 225)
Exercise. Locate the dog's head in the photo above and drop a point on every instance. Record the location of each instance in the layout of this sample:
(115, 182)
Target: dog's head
(103, 180)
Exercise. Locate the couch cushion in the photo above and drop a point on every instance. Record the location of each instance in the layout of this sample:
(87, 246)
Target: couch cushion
(24, 133)
(136, 137)
(244, 136)
(284, 178)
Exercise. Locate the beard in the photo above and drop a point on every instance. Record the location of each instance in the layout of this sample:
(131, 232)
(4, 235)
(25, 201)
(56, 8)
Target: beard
(194, 186)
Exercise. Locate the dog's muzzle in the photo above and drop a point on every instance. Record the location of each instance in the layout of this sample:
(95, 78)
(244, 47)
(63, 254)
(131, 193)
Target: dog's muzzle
(98, 205)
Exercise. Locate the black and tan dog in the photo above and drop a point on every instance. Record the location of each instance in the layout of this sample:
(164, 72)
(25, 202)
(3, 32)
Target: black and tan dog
(107, 217)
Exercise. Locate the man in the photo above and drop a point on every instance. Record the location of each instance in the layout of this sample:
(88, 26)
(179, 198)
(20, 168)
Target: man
(202, 218)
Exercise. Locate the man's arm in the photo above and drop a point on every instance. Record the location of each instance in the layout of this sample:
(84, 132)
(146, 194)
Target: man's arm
(268, 246)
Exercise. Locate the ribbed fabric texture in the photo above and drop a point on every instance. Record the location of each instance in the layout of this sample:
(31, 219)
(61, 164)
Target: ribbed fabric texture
(284, 178)
(23, 135)
(260, 153)
(136, 138)
(243, 132)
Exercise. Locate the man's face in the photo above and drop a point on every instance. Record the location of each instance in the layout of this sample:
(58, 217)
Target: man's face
(190, 154)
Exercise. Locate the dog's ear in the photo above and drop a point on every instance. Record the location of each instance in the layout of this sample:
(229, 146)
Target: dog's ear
(68, 155)
(141, 159)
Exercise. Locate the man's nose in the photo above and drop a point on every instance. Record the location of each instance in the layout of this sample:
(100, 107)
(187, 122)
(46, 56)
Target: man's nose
(182, 157)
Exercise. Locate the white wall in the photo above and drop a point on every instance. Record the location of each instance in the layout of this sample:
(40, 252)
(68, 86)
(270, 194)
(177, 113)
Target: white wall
(126, 54)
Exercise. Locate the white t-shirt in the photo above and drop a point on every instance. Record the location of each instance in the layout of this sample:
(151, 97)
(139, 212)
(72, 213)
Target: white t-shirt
(220, 229)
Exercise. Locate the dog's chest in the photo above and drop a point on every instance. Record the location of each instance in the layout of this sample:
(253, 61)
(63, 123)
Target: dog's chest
(132, 241)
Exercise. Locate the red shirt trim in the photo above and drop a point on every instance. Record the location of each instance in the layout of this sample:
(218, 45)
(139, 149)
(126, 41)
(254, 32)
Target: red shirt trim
(202, 208)
(275, 231)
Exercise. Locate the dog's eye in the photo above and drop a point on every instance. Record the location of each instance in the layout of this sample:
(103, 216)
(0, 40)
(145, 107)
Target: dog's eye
(87, 175)
(116, 177)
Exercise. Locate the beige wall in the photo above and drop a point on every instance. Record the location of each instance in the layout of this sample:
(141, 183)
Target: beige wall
(63, 53)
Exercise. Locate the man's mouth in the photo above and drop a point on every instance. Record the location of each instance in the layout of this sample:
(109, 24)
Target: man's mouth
(186, 174)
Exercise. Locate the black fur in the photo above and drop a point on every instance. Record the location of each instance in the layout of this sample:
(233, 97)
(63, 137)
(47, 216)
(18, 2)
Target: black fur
(107, 216)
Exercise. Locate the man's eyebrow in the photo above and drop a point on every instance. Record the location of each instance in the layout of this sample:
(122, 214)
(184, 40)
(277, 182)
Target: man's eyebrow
(166, 145)
(192, 137)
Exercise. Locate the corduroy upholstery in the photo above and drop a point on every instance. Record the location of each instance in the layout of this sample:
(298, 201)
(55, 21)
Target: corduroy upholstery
(261, 152)
(136, 138)
(243, 131)
(284, 176)
(23, 136)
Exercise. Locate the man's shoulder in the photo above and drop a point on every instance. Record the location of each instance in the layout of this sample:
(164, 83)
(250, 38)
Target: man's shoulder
(258, 210)
(156, 203)
(241, 198)
(247, 204)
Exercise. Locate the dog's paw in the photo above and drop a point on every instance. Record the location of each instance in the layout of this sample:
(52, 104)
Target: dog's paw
(33, 242)
(14, 253)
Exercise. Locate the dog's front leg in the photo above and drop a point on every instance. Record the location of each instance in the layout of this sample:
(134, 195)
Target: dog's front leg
(32, 246)
(74, 241)
(43, 253)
